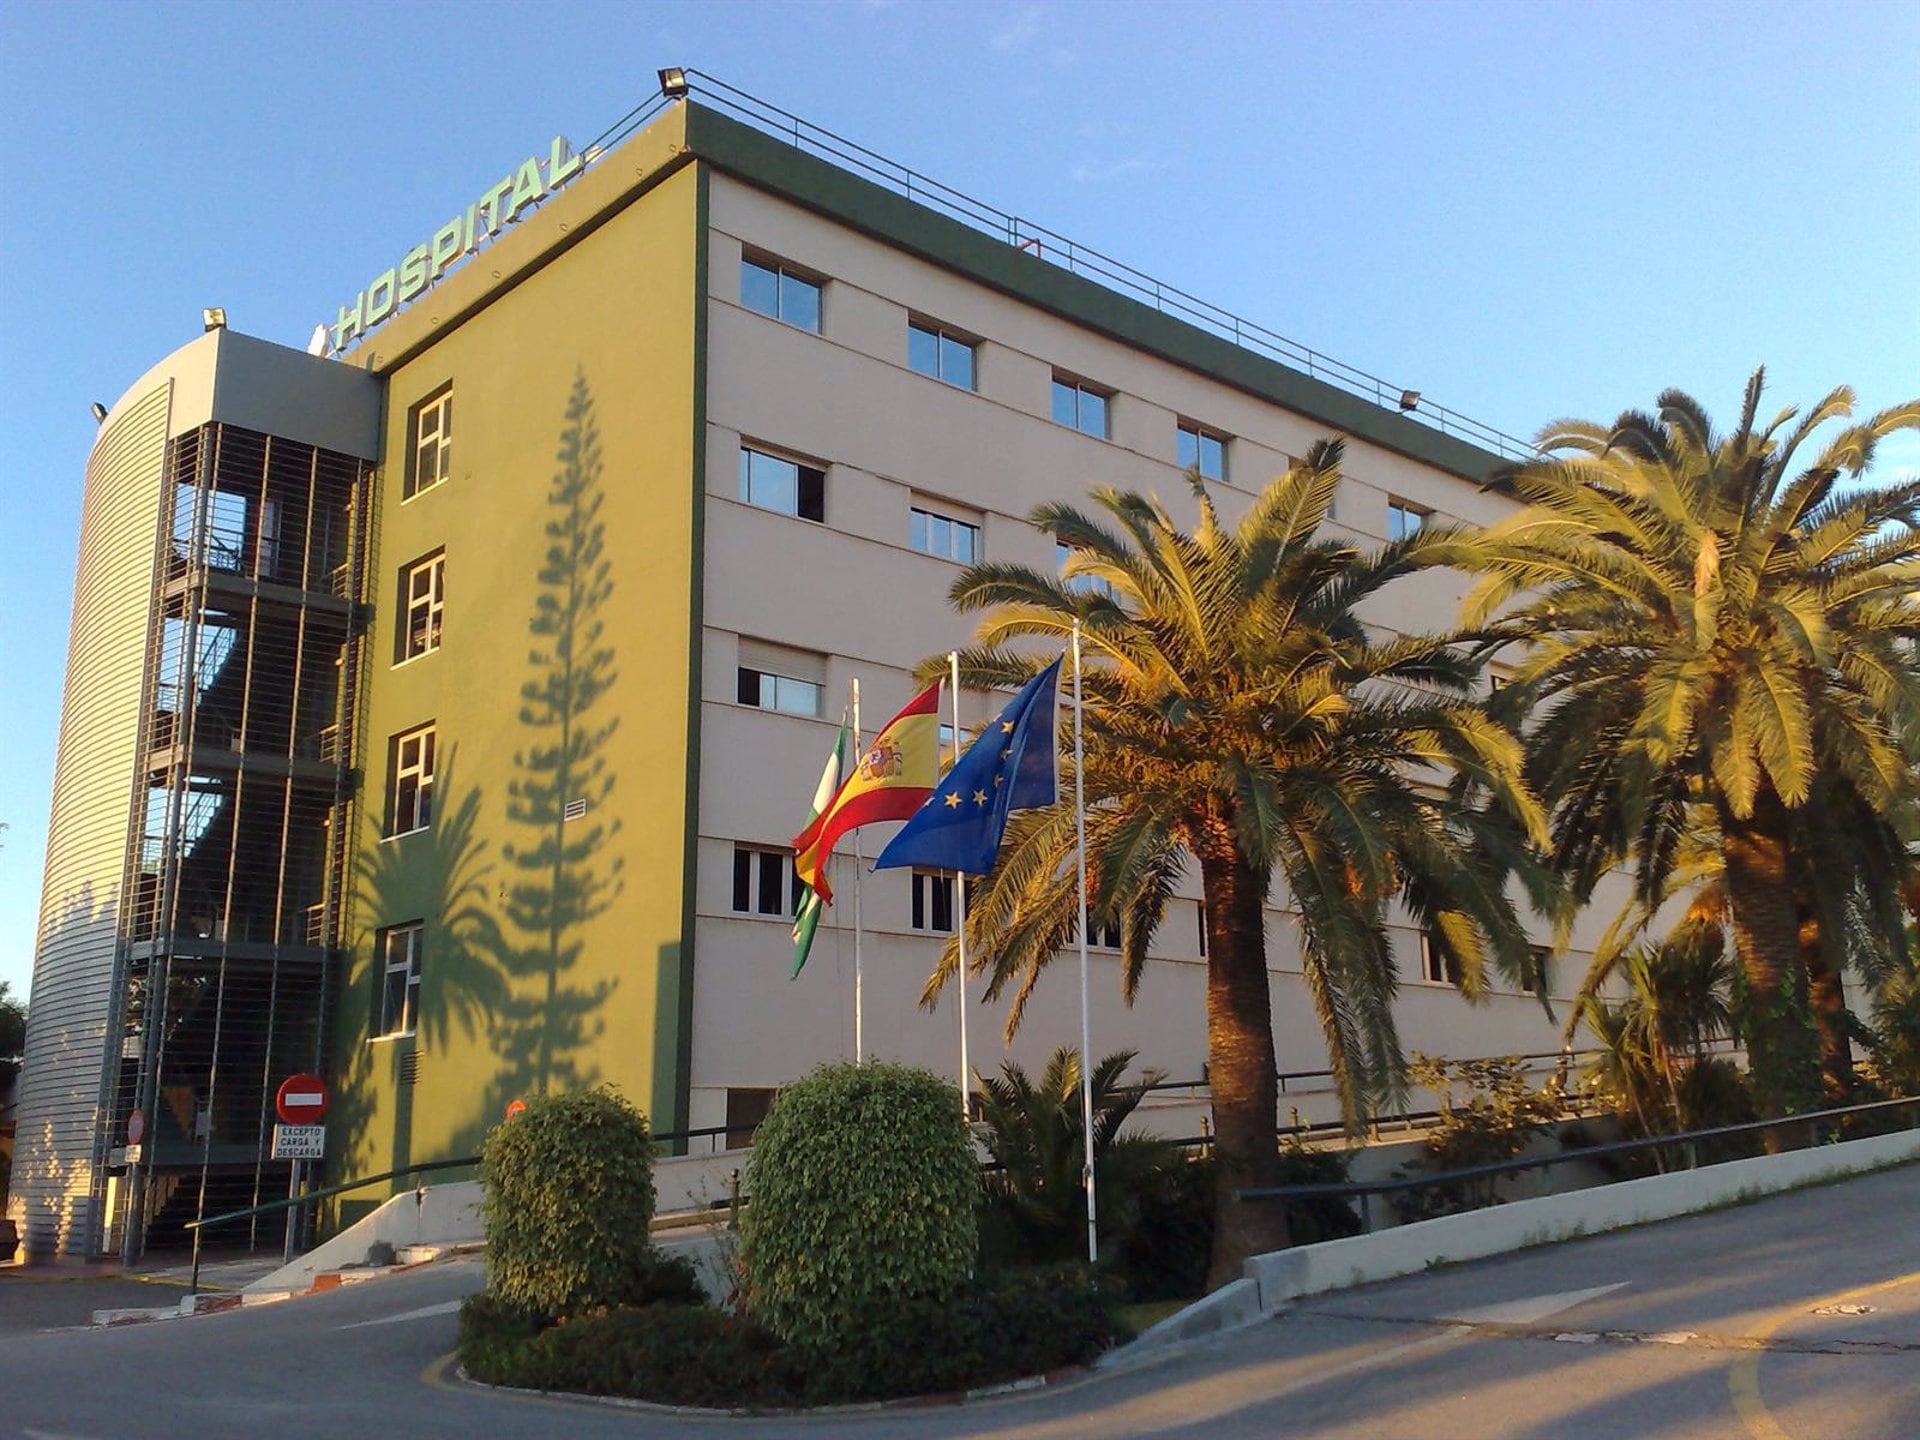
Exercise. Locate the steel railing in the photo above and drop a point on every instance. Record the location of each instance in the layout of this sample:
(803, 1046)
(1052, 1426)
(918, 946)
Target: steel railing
(1365, 1190)
(1051, 246)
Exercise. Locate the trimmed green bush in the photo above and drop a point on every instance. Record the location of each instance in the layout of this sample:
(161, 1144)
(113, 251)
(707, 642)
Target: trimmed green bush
(568, 1205)
(673, 1354)
(1001, 1329)
(863, 1186)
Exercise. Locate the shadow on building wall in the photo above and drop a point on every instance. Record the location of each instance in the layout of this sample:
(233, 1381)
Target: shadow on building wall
(506, 928)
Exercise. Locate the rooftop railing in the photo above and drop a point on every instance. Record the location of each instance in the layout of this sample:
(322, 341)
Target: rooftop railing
(1057, 249)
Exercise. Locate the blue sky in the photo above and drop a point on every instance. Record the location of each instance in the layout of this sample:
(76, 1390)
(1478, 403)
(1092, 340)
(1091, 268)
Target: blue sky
(1522, 210)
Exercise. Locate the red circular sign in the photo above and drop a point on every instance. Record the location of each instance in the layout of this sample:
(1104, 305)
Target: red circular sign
(136, 1127)
(514, 1107)
(301, 1099)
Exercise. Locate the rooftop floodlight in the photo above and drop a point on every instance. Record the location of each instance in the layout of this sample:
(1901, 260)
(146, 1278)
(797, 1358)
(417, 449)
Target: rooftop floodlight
(673, 83)
(99, 413)
(214, 319)
(1409, 399)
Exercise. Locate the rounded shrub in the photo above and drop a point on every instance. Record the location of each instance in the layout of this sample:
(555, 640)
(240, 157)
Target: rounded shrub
(863, 1185)
(568, 1204)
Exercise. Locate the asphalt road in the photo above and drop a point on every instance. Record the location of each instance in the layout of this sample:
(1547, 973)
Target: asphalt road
(1796, 1317)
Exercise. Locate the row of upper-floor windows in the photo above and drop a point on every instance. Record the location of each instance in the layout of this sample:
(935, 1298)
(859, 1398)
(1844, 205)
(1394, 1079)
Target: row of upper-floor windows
(780, 292)
(765, 886)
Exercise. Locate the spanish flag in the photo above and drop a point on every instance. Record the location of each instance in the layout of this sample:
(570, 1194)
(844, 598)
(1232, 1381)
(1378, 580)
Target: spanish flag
(893, 779)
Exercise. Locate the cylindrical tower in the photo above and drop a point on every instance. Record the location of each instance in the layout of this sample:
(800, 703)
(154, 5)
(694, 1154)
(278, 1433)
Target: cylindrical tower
(218, 573)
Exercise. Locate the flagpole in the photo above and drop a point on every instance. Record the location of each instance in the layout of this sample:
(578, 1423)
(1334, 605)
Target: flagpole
(960, 910)
(859, 864)
(1086, 1044)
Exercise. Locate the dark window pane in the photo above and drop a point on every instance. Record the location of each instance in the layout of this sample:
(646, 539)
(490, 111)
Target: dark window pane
(919, 902)
(813, 493)
(742, 880)
(770, 899)
(749, 687)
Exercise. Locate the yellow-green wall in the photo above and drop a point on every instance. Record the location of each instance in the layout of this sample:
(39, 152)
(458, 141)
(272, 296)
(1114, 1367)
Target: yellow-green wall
(516, 990)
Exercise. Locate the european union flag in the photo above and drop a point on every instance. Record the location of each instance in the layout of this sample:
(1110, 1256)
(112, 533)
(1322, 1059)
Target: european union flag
(1013, 765)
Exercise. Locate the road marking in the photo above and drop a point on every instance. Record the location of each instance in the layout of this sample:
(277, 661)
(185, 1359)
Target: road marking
(445, 1307)
(1743, 1380)
(1533, 1310)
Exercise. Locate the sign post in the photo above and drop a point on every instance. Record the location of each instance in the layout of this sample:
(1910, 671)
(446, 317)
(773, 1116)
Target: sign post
(301, 1104)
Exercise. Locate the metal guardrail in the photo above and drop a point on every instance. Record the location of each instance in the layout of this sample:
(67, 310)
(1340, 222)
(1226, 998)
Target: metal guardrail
(1365, 1190)
(1055, 248)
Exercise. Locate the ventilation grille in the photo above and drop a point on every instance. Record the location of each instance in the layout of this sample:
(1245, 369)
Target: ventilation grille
(575, 809)
(410, 1068)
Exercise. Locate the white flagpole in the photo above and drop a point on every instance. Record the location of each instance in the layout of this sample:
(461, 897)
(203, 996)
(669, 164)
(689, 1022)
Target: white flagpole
(1086, 1049)
(859, 864)
(960, 909)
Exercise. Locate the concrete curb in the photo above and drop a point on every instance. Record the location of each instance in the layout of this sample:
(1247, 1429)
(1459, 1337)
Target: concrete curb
(1277, 1279)
(1231, 1307)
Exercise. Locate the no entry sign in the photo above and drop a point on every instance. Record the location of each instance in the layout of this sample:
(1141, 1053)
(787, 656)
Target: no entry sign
(301, 1100)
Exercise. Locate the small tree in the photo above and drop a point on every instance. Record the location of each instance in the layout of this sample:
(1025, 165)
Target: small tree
(863, 1185)
(569, 1204)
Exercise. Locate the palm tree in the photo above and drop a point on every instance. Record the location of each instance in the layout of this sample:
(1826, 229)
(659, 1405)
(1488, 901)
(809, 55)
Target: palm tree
(1705, 630)
(1034, 1134)
(1239, 718)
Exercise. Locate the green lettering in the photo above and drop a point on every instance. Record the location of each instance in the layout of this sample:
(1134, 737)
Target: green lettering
(446, 246)
(490, 202)
(413, 273)
(352, 322)
(527, 188)
(562, 164)
(380, 298)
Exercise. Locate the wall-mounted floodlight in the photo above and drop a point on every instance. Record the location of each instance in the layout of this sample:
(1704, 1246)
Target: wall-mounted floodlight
(673, 83)
(214, 319)
(99, 413)
(1409, 399)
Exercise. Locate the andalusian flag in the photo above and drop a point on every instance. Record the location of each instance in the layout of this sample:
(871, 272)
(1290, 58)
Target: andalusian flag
(893, 779)
(808, 920)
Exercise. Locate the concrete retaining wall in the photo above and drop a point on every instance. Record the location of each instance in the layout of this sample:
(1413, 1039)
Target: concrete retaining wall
(1337, 1264)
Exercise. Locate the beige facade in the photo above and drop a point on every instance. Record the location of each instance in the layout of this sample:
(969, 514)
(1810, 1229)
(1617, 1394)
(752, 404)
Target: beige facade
(855, 593)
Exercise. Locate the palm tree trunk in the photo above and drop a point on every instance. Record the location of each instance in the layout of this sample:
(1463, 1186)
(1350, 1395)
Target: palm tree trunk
(1781, 1054)
(1826, 992)
(1242, 1075)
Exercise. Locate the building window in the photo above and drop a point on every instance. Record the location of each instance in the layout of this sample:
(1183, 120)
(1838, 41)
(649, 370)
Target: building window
(1080, 406)
(764, 883)
(774, 290)
(1436, 965)
(410, 803)
(1404, 520)
(772, 677)
(400, 980)
(933, 902)
(932, 351)
(1102, 937)
(1078, 584)
(787, 486)
(943, 535)
(422, 599)
(1201, 911)
(746, 1108)
(431, 459)
(1204, 450)
(1540, 972)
